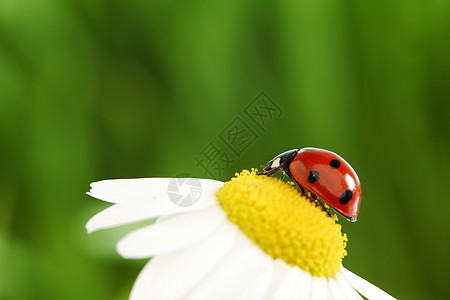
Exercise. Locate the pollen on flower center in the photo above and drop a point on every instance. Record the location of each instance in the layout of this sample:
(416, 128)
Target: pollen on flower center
(283, 223)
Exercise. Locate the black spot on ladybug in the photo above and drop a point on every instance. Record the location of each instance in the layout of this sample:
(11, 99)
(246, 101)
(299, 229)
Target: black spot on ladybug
(334, 163)
(346, 196)
(313, 176)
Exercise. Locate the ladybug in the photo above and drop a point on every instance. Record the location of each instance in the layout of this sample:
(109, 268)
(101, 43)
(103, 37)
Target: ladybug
(324, 174)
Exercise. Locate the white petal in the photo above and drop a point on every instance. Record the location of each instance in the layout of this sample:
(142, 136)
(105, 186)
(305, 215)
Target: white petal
(172, 276)
(303, 285)
(258, 286)
(319, 288)
(280, 271)
(236, 276)
(118, 190)
(171, 233)
(348, 291)
(295, 285)
(335, 290)
(155, 203)
(364, 287)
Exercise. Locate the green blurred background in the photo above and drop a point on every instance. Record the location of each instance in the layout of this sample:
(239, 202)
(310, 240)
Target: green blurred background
(116, 89)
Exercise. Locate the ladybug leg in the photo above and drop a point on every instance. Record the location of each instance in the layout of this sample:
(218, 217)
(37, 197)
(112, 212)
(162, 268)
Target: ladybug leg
(314, 199)
(302, 190)
(282, 176)
(322, 205)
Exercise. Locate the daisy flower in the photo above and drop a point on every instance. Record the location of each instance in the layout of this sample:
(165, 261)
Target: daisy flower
(253, 237)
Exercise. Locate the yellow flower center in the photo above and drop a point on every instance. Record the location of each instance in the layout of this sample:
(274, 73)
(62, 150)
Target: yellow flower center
(283, 223)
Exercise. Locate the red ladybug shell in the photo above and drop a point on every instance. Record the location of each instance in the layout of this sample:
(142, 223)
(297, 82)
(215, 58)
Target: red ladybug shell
(329, 177)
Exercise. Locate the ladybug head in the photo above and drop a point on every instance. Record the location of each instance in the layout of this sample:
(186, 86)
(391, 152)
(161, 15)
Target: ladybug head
(282, 160)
